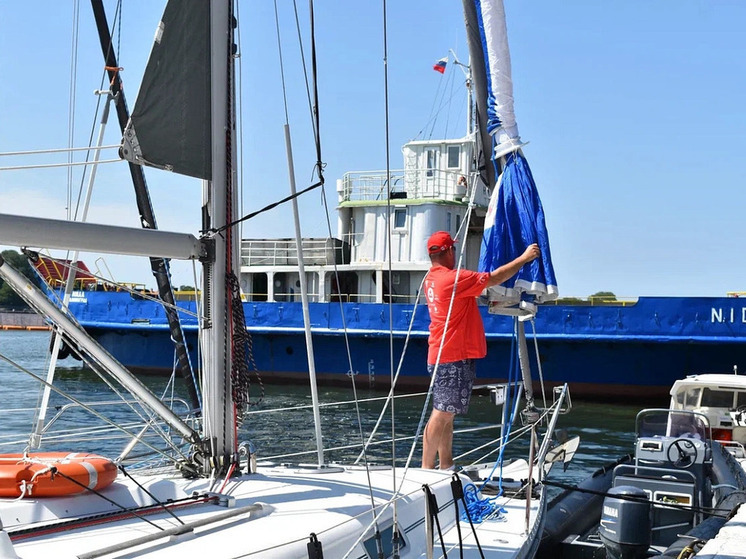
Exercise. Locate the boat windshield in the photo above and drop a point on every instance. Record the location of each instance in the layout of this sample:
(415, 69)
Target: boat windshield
(669, 423)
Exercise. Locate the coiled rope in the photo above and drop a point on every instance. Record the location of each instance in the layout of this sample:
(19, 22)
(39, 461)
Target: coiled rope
(479, 509)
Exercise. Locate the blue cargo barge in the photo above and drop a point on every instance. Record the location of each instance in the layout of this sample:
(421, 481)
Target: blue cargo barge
(375, 266)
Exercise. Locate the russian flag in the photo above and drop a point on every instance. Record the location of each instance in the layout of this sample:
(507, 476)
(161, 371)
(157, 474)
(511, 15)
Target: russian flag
(440, 65)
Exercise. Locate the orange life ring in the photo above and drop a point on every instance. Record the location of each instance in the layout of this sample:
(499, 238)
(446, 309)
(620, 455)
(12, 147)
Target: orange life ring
(31, 475)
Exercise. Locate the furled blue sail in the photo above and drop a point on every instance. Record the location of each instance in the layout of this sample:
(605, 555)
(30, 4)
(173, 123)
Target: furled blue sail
(515, 217)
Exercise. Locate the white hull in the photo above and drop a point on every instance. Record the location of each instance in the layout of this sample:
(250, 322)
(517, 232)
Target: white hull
(335, 505)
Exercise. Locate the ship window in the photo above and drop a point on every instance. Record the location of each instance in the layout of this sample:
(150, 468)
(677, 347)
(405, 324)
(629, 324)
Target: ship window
(342, 286)
(692, 398)
(741, 399)
(400, 218)
(257, 287)
(448, 222)
(454, 157)
(432, 162)
(458, 222)
(398, 291)
(717, 398)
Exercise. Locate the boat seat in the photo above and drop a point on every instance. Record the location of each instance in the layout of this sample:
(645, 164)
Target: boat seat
(739, 435)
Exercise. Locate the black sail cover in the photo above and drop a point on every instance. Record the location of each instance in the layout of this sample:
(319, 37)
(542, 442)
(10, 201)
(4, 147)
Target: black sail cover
(170, 124)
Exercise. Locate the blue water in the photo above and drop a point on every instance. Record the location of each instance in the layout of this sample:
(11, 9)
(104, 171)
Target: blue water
(605, 430)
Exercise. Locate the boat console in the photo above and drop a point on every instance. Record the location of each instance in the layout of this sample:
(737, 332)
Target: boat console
(672, 465)
(653, 500)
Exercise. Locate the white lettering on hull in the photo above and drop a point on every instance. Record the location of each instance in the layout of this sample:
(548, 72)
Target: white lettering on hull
(722, 315)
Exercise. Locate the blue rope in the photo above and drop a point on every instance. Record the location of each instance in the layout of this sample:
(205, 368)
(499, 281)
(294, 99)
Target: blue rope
(512, 375)
(479, 509)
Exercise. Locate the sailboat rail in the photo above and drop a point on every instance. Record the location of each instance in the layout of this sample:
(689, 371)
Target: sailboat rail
(337, 404)
(55, 165)
(71, 428)
(359, 445)
(57, 150)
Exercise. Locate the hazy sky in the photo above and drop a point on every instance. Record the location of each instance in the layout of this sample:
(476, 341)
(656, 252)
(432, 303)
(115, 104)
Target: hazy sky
(633, 110)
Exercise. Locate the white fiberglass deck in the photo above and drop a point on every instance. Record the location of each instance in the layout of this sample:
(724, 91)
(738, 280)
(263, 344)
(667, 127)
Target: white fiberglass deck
(293, 503)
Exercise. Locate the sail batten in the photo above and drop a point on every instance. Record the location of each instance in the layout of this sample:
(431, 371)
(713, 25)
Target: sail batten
(170, 124)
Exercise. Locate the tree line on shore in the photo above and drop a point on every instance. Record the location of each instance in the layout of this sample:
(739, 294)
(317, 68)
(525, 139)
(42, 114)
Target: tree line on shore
(9, 299)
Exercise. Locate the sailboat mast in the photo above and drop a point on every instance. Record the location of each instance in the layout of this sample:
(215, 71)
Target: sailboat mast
(219, 209)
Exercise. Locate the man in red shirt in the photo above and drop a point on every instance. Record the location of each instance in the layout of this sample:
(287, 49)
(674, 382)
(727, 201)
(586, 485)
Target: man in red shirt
(455, 346)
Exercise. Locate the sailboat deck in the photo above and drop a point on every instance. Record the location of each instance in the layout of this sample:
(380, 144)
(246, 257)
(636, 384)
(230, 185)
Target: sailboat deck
(277, 527)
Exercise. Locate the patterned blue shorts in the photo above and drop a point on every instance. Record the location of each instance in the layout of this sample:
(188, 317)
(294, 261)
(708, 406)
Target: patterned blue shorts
(452, 386)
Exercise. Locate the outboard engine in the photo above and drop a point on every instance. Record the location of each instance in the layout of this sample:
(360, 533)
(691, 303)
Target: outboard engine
(625, 524)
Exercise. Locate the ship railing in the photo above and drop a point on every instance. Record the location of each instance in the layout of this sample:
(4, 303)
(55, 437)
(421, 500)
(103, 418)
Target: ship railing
(313, 297)
(418, 184)
(594, 301)
(284, 252)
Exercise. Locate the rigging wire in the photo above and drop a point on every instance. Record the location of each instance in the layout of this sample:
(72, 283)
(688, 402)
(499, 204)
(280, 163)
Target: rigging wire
(452, 83)
(53, 165)
(145, 413)
(389, 252)
(538, 362)
(433, 112)
(432, 378)
(117, 21)
(430, 120)
(239, 117)
(318, 170)
(219, 230)
(395, 380)
(379, 443)
(72, 89)
(444, 104)
(44, 391)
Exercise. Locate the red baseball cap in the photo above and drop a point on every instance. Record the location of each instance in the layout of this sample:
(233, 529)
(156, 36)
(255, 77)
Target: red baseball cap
(439, 241)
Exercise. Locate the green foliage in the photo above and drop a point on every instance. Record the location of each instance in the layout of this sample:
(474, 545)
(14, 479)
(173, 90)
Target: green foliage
(9, 298)
(603, 296)
(570, 301)
(186, 288)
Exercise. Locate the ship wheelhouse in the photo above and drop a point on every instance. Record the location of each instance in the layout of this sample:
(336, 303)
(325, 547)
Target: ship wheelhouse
(431, 193)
